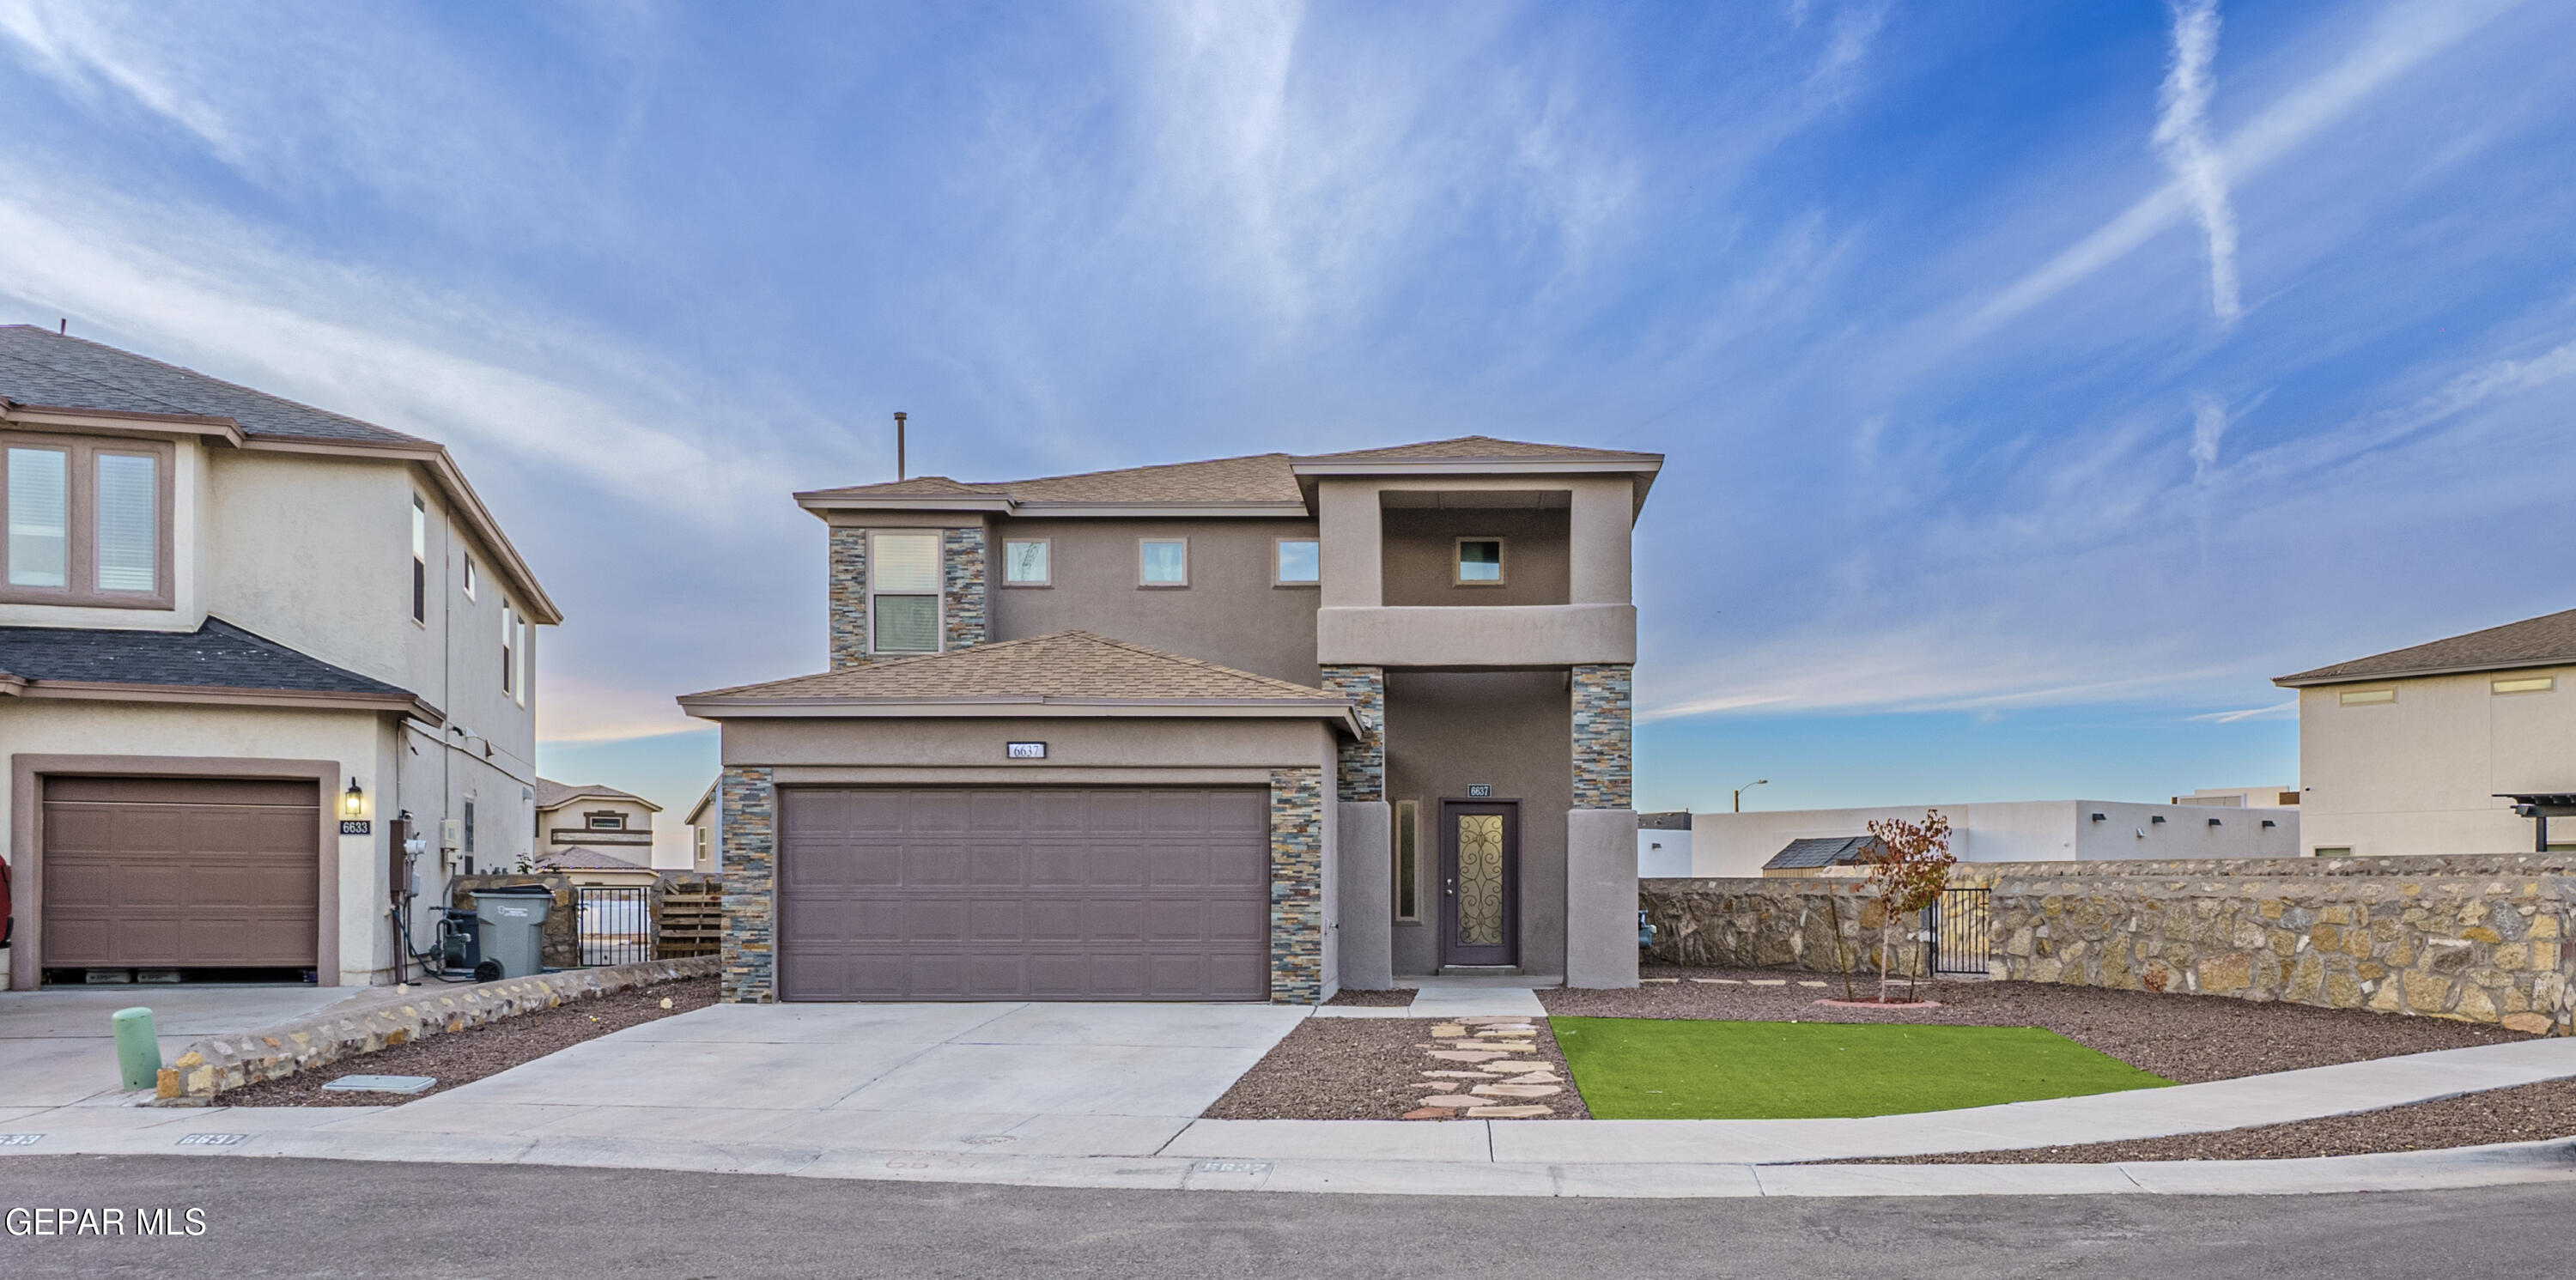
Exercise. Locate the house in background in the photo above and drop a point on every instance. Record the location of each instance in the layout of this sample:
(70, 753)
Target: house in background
(2242, 798)
(2416, 750)
(1663, 845)
(703, 837)
(591, 816)
(1253, 728)
(246, 646)
(590, 867)
(1822, 856)
(1744, 844)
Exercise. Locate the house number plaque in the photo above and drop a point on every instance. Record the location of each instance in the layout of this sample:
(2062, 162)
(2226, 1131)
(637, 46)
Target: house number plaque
(1479, 790)
(1027, 751)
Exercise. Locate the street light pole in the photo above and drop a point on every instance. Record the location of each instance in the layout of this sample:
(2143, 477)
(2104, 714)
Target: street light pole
(1739, 791)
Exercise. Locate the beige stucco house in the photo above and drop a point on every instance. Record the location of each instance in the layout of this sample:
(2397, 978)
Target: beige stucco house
(592, 816)
(1255, 729)
(701, 824)
(2417, 750)
(246, 646)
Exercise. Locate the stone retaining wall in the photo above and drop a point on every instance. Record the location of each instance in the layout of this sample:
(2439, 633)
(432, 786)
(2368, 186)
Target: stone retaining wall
(369, 1022)
(1822, 926)
(2480, 948)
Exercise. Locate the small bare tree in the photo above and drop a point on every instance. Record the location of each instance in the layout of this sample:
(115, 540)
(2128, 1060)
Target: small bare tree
(1909, 866)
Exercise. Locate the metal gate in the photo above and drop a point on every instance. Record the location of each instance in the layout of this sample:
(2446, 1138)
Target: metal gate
(616, 925)
(1957, 927)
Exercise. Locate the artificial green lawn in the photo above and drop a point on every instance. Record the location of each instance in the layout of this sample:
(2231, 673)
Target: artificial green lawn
(1671, 1069)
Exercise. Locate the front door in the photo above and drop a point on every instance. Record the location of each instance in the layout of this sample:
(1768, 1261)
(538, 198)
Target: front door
(1480, 882)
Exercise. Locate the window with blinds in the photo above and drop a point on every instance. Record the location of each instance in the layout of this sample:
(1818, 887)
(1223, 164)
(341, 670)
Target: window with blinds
(129, 527)
(39, 518)
(85, 522)
(903, 593)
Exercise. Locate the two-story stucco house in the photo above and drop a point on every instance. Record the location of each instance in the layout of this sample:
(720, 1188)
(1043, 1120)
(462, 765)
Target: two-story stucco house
(1248, 729)
(2425, 749)
(591, 816)
(245, 646)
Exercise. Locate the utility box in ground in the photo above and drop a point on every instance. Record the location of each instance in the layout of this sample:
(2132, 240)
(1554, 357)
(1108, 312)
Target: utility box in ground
(514, 923)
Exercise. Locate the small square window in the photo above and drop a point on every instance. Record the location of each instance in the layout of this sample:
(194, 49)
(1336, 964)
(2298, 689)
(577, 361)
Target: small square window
(906, 624)
(1480, 562)
(1163, 562)
(2368, 697)
(1025, 562)
(1300, 562)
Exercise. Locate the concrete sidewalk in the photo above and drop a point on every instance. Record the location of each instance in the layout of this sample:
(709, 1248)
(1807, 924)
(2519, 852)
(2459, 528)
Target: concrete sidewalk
(56, 1047)
(1105, 1095)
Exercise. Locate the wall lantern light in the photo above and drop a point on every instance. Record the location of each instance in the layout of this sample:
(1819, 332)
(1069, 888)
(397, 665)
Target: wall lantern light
(353, 802)
(2157, 820)
(2099, 816)
(2213, 822)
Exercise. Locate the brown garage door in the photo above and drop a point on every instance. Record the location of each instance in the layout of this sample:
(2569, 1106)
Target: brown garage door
(181, 873)
(954, 893)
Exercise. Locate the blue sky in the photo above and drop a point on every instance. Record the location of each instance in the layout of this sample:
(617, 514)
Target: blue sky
(2037, 379)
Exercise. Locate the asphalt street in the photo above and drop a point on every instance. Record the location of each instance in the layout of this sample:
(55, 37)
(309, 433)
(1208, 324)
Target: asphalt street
(265, 1217)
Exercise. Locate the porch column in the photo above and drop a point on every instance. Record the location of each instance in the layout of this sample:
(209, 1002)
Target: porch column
(1601, 835)
(749, 821)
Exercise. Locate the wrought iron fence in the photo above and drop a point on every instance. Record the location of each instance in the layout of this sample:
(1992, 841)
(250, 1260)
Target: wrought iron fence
(616, 925)
(1958, 932)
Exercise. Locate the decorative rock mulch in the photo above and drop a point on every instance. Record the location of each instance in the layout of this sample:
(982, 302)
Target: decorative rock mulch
(1381, 1069)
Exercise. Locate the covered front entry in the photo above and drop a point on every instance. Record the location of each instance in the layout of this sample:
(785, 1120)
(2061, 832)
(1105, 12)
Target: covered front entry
(1480, 846)
(1044, 893)
(181, 873)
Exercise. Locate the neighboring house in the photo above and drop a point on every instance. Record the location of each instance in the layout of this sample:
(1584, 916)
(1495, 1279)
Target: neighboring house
(703, 837)
(1255, 728)
(2242, 798)
(1663, 845)
(593, 867)
(594, 817)
(245, 645)
(2419, 750)
(1822, 856)
(1744, 844)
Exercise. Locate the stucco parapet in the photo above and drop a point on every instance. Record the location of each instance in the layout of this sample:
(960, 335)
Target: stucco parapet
(371, 1022)
(2401, 866)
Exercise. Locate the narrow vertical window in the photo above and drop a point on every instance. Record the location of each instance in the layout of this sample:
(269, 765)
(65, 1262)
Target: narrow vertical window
(469, 575)
(419, 560)
(903, 593)
(39, 518)
(527, 657)
(1408, 905)
(129, 532)
(509, 650)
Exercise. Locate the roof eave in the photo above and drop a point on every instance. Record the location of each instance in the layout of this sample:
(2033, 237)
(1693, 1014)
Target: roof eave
(2327, 676)
(228, 695)
(120, 422)
(721, 706)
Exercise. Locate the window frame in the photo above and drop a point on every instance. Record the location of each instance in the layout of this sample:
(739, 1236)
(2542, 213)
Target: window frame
(527, 659)
(1142, 540)
(80, 521)
(1458, 561)
(419, 561)
(1403, 843)
(467, 557)
(592, 821)
(2366, 698)
(509, 651)
(1044, 582)
(1276, 544)
(938, 593)
(2521, 685)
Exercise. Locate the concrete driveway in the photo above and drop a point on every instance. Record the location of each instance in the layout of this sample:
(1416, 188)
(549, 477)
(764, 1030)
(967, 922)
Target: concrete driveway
(1017, 1079)
(56, 1047)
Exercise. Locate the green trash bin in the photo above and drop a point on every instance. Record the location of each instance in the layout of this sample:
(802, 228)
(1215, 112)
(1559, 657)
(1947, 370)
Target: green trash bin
(512, 920)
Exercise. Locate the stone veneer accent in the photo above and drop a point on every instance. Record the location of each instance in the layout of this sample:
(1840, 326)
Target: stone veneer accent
(1601, 737)
(750, 863)
(962, 560)
(1781, 923)
(1362, 772)
(1297, 886)
(848, 595)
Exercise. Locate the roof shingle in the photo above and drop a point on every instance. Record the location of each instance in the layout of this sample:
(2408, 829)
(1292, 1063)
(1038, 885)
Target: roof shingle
(39, 367)
(216, 655)
(554, 795)
(1074, 665)
(2547, 640)
(1825, 851)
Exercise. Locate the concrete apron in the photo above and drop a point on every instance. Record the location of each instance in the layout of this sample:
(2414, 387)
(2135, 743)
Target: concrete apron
(1105, 1096)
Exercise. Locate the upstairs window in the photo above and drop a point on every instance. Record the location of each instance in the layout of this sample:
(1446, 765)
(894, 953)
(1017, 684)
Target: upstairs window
(509, 650)
(1163, 562)
(903, 593)
(1480, 562)
(1298, 562)
(419, 561)
(2367, 697)
(88, 523)
(468, 558)
(1025, 562)
(607, 822)
(526, 657)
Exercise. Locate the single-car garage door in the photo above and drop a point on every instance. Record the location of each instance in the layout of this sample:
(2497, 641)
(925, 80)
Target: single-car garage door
(180, 873)
(1045, 893)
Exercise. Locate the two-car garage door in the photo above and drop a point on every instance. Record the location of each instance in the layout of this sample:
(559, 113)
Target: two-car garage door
(1062, 893)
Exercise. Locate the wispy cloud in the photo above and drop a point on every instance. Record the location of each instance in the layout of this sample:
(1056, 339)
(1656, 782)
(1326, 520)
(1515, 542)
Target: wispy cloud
(2182, 139)
(2208, 424)
(2287, 709)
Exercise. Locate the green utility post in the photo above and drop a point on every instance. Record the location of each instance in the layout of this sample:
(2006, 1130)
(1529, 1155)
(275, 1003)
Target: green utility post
(138, 1047)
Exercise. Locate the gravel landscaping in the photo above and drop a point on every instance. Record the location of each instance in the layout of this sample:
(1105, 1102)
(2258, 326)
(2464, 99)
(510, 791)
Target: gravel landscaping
(1377, 1069)
(461, 1057)
(1399, 998)
(2186, 1039)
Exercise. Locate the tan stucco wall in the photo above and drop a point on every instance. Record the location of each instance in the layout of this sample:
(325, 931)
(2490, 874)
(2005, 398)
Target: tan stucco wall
(1230, 613)
(188, 520)
(360, 742)
(573, 821)
(1072, 743)
(1515, 730)
(1510, 636)
(2419, 775)
(1419, 551)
